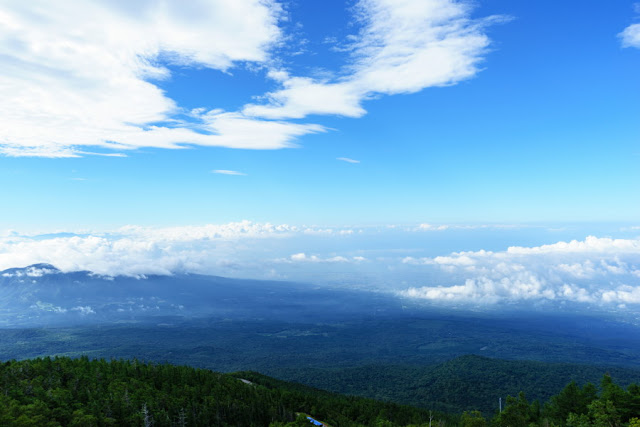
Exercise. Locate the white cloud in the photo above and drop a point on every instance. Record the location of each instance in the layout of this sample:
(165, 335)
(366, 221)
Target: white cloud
(443, 227)
(590, 245)
(76, 74)
(84, 310)
(631, 36)
(44, 306)
(319, 230)
(594, 270)
(32, 271)
(237, 131)
(404, 47)
(39, 272)
(81, 74)
(229, 231)
(302, 257)
(431, 227)
(299, 257)
(348, 160)
(302, 96)
(136, 251)
(227, 172)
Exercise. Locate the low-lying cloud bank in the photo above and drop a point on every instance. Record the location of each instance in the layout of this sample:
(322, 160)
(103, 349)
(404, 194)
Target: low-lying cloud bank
(595, 270)
(134, 250)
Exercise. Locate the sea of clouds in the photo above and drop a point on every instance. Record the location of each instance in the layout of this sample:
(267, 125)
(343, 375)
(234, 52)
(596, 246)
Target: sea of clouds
(413, 261)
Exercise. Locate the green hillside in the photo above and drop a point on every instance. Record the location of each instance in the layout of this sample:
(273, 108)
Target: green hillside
(83, 392)
(461, 384)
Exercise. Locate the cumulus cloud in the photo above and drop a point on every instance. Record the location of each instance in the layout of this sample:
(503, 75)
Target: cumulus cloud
(594, 270)
(631, 36)
(598, 271)
(137, 251)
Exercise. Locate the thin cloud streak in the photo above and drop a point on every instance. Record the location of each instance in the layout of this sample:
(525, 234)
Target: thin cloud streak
(348, 160)
(228, 172)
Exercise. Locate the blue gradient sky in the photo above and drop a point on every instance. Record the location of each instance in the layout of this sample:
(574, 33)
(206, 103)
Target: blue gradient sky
(546, 130)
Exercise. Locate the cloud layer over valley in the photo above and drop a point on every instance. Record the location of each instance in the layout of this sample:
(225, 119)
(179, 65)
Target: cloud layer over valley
(593, 271)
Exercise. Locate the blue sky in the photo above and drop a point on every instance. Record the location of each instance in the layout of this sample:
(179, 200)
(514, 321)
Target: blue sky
(545, 128)
(343, 114)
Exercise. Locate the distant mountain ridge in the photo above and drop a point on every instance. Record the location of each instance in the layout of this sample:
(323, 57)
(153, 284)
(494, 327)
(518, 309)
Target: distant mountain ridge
(41, 294)
(237, 324)
(34, 270)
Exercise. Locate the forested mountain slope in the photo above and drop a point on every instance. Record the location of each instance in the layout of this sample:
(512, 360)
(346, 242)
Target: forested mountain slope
(83, 392)
(461, 384)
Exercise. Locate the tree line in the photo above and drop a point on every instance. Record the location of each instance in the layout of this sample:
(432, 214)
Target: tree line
(61, 391)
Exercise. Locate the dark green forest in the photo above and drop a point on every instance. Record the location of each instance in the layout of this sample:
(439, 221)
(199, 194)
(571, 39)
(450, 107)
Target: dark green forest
(82, 392)
(443, 364)
(464, 383)
(94, 392)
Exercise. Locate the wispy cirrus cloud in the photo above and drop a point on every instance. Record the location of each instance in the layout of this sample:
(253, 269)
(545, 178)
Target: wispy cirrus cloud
(84, 75)
(228, 172)
(348, 160)
(403, 47)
